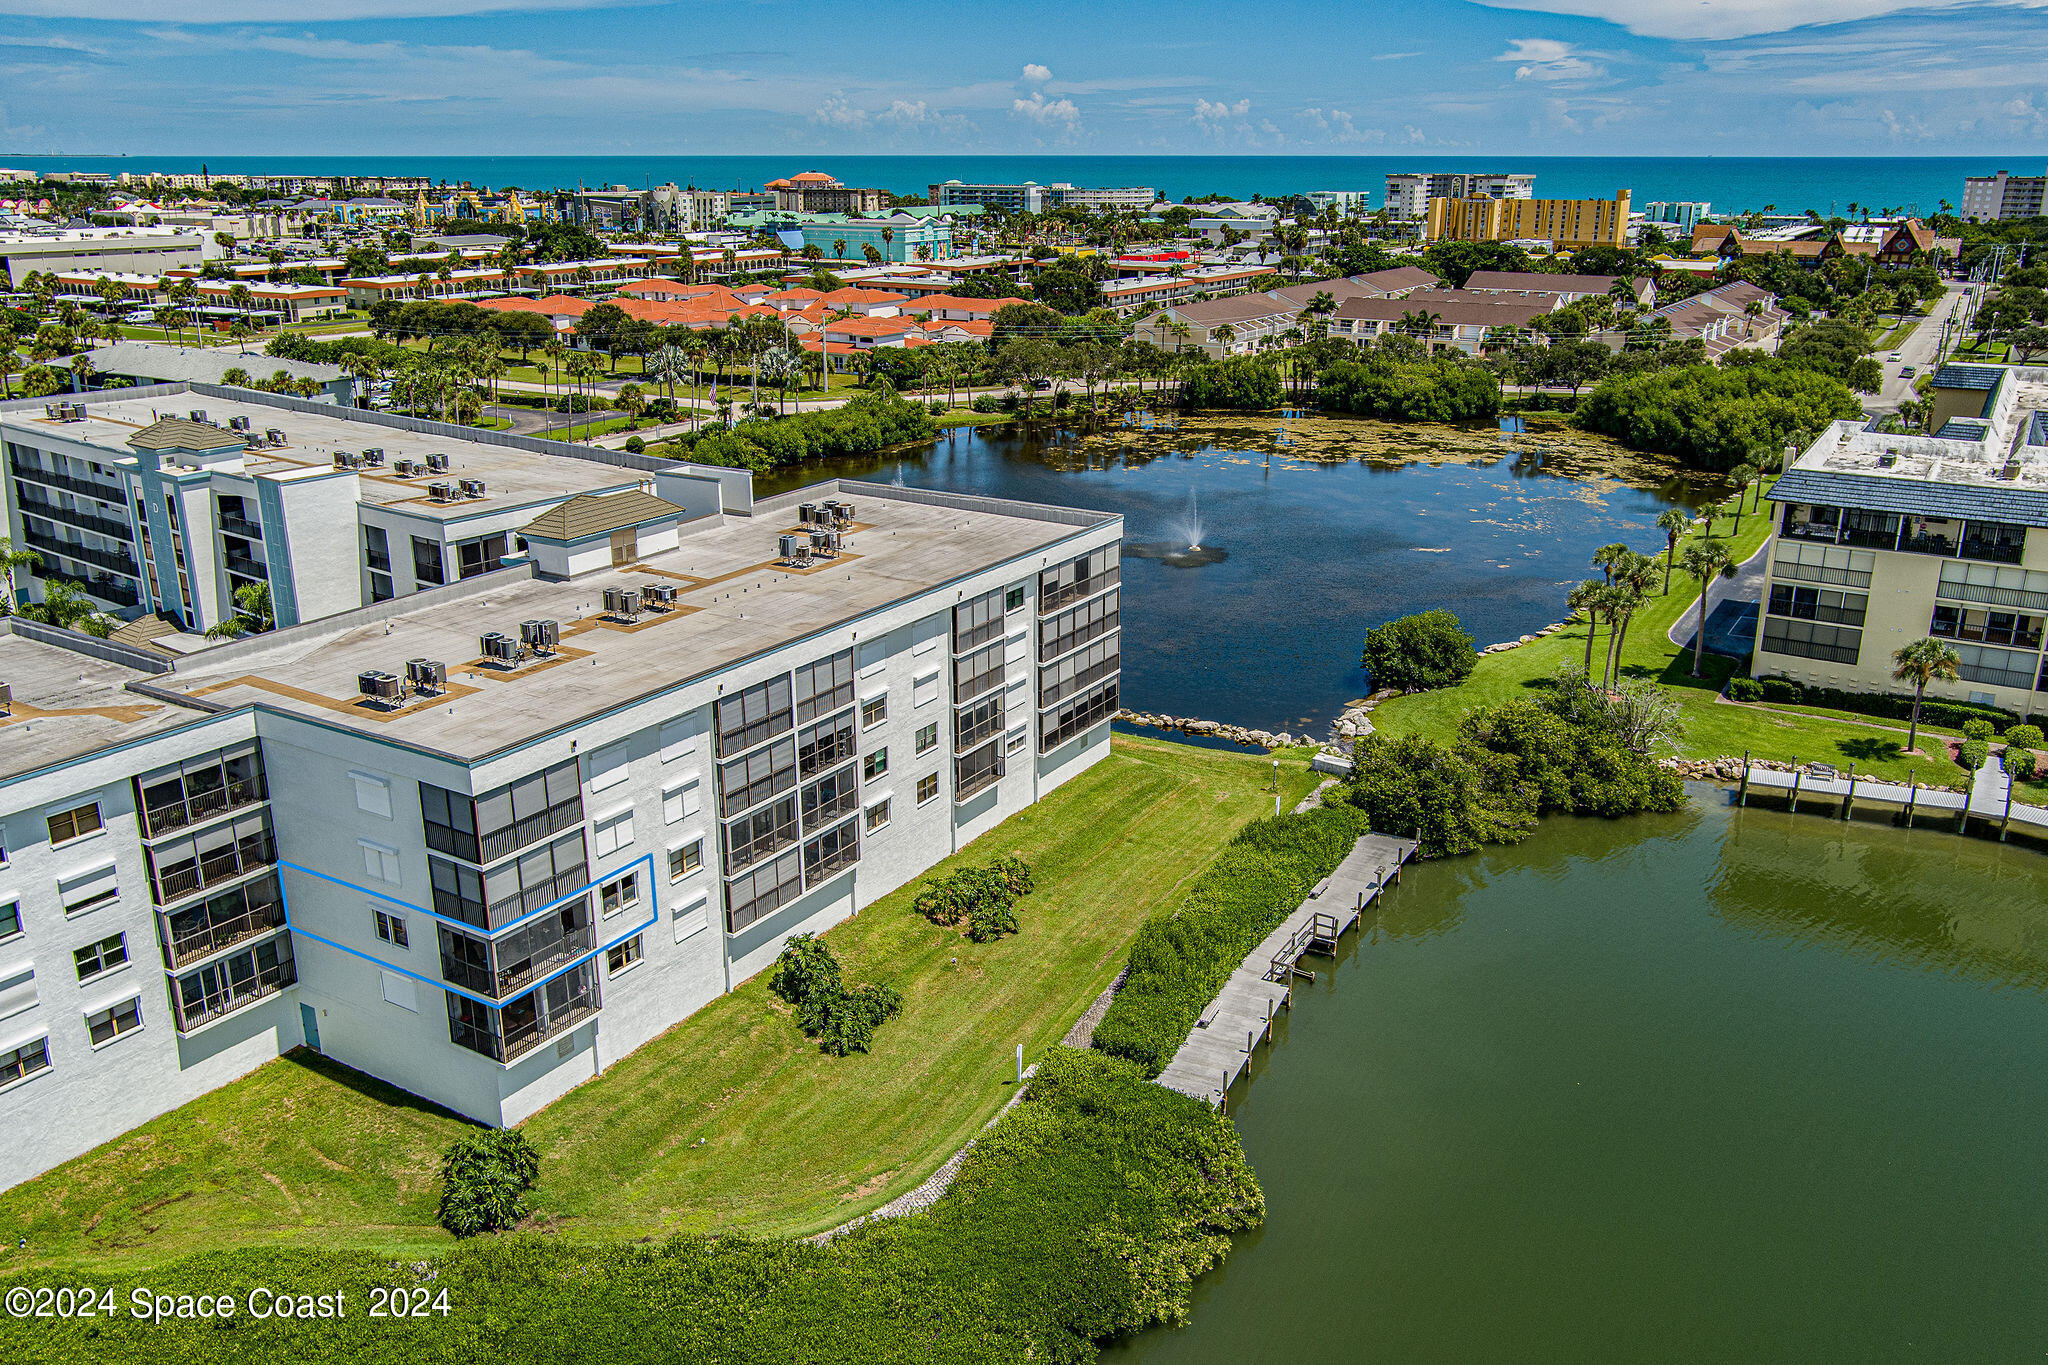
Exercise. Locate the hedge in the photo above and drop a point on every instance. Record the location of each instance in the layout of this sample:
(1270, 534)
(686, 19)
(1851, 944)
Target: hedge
(1087, 1212)
(1182, 958)
(1889, 705)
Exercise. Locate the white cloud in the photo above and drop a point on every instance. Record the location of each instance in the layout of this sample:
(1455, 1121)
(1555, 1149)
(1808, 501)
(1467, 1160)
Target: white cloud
(838, 112)
(286, 11)
(1337, 125)
(1048, 113)
(1547, 59)
(1740, 18)
(1210, 111)
(1037, 74)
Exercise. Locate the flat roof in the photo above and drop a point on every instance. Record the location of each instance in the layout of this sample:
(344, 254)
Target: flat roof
(69, 705)
(512, 477)
(733, 603)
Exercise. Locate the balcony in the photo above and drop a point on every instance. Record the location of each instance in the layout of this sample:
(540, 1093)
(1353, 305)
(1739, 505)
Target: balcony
(975, 774)
(245, 566)
(240, 526)
(509, 978)
(222, 988)
(202, 805)
(175, 881)
(104, 589)
(85, 488)
(213, 935)
(71, 516)
(1929, 544)
(507, 1034)
(120, 563)
(1993, 551)
(534, 1029)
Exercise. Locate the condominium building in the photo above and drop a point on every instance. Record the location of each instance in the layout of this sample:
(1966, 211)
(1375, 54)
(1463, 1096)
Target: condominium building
(1564, 223)
(1032, 197)
(899, 238)
(1991, 198)
(817, 192)
(167, 501)
(1409, 193)
(1346, 203)
(1683, 214)
(483, 844)
(1881, 540)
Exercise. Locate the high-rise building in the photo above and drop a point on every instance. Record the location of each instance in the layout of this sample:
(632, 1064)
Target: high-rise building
(1564, 223)
(1992, 198)
(1683, 214)
(1032, 197)
(1408, 194)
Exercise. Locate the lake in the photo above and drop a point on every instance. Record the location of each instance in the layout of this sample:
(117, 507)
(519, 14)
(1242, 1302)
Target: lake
(1719, 1086)
(1315, 530)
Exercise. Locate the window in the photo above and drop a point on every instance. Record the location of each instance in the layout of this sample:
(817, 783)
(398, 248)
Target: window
(878, 816)
(379, 860)
(427, 565)
(831, 853)
(977, 722)
(757, 893)
(766, 831)
(875, 764)
(109, 1024)
(103, 956)
(927, 788)
(758, 777)
(825, 745)
(10, 919)
(23, 1061)
(536, 878)
(757, 714)
(17, 992)
(486, 828)
(608, 767)
(75, 823)
(1069, 630)
(620, 893)
(874, 711)
(928, 738)
(377, 549)
(614, 833)
(685, 859)
(976, 673)
(977, 621)
(678, 739)
(1016, 740)
(1078, 578)
(1080, 670)
(89, 890)
(824, 687)
(481, 555)
(373, 794)
(1077, 716)
(830, 797)
(925, 690)
(623, 955)
(680, 803)
(1013, 600)
(391, 929)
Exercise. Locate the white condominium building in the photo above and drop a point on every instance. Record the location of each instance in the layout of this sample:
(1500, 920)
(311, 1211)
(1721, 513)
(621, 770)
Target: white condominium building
(484, 841)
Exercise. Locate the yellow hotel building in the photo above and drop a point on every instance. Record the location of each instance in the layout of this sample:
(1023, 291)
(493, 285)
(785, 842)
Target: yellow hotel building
(1565, 223)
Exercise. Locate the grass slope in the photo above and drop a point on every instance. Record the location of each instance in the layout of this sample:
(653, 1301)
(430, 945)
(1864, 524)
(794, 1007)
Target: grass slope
(303, 1153)
(1710, 727)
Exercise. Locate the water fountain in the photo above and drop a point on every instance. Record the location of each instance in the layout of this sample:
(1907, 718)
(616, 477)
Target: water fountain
(1186, 551)
(1193, 525)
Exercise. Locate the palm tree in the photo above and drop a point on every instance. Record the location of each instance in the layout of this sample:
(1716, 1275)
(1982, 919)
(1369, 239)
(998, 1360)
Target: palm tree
(1632, 578)
(1619, 601)
(1607, 556)
(1705, 560)
(1920, 663)
(1673, 522)
(1586, 598)
(12, 559)
(838, 248)
(252, 614)
(10, 362)
(1742, 476)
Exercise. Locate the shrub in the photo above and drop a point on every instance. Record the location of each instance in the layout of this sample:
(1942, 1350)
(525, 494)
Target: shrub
(984, 898)
(2024, 736)
(484, 1180)
(1238, 383)
(1978, 729)
(635, 446)
(1716, 416)
(843, 1019)
(1745, 689)
(1891, 705)
(1180, 958)
(1425, 650)
(1972, 754)
(935, 407)
(2020, 764)
(1781, 690)
(1437, 389)
(986, 402)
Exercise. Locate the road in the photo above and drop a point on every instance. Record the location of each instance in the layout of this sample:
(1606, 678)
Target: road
(1916, 352)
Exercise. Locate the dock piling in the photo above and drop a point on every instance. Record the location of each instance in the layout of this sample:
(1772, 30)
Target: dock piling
(1742, 794)
(1849, 801)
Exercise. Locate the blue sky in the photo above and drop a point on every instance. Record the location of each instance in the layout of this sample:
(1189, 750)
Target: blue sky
(1536, 77)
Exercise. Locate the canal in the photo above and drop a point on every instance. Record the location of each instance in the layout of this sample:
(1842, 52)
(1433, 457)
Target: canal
(1725, 1085)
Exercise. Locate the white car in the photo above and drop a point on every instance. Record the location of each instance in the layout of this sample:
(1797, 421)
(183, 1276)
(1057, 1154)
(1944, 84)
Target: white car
(1895, 357)
(140, 317)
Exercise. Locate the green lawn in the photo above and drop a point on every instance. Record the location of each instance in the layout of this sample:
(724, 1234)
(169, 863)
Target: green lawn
(963, 418)
(1710, 726)
(304, 1153)
(1892, 340)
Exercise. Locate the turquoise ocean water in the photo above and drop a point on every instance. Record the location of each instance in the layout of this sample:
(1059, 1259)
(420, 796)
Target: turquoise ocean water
(1794, 184)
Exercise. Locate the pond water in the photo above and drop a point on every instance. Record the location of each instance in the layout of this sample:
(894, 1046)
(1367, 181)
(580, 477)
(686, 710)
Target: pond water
(1311, 532)
(1717, 1086)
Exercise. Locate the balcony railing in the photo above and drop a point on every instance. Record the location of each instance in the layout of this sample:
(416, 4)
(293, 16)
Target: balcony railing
(240, 526)
(1993, 551)
(234, 995)
(202, 805)
(1929, 545)
(121, 563)
(968, 784)
(530, 1033)
(104, 492)
(72, 516)
(179, 880)
(225, 933)
(510, 980)
(105, 589)
(245, 566)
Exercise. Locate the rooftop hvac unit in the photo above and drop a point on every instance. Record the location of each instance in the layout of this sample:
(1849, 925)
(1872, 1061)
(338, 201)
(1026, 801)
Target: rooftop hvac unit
(441, 492)
(238, 424)
(437, 461)
(786, 545)
(374, 457)
(807, 513)
(658, 596)
(540, 636)
(825, 543)
(6, 699)
(846, 510)
(344, 460)
(273, 435)
(499, 646)
(621, 602)
(378, 686)
(405, 469)
(199, 414)
(77, 413)
(427, 675)
(472, 488)
(1887, 460)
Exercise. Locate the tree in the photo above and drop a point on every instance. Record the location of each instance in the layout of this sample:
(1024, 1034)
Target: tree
(1673, 522)
(1587, 598)
(1607, 556)
(1705, 560)
(484, 1180)
(12, 560)
(1427, 649)
(1633, 574)
(1742, 476)
(252, 614)
(1920, 663)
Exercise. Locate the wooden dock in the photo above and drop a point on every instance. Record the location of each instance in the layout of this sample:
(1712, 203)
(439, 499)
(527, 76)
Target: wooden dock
(1989, 800)
(1219, 1047)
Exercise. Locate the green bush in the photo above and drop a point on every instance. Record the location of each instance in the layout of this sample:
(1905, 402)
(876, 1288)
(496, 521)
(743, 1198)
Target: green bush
(1972, 753)
(1717, 416)
(484, 1180)
(983, 898)
(870, 422)
(2024, 736)
(1781, 690)
(1975, 728)
(1890, 705)
(2020, 764)
(1745, 689)
(1425, 650)
(1239, 383)
(1181, 958)
(635, 445)
(842, 1018)
(1437, 389)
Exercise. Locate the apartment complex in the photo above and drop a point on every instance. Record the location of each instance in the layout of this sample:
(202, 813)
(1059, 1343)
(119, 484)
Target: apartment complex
(1564, 223)
(1683, 214)
(1883, 539)
(1408, 194)
(166, 501)
(1250, 322)
(1032, 197)
(1344, 203)
(816, 192)
(484, 843)
(898, 238)
(1991, 198)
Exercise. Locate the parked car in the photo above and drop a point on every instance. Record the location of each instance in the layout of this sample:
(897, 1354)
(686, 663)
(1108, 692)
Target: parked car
(1907, 372)
(1893, 357)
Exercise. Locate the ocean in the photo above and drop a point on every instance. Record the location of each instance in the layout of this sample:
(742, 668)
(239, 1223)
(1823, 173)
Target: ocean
(1792, 184)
